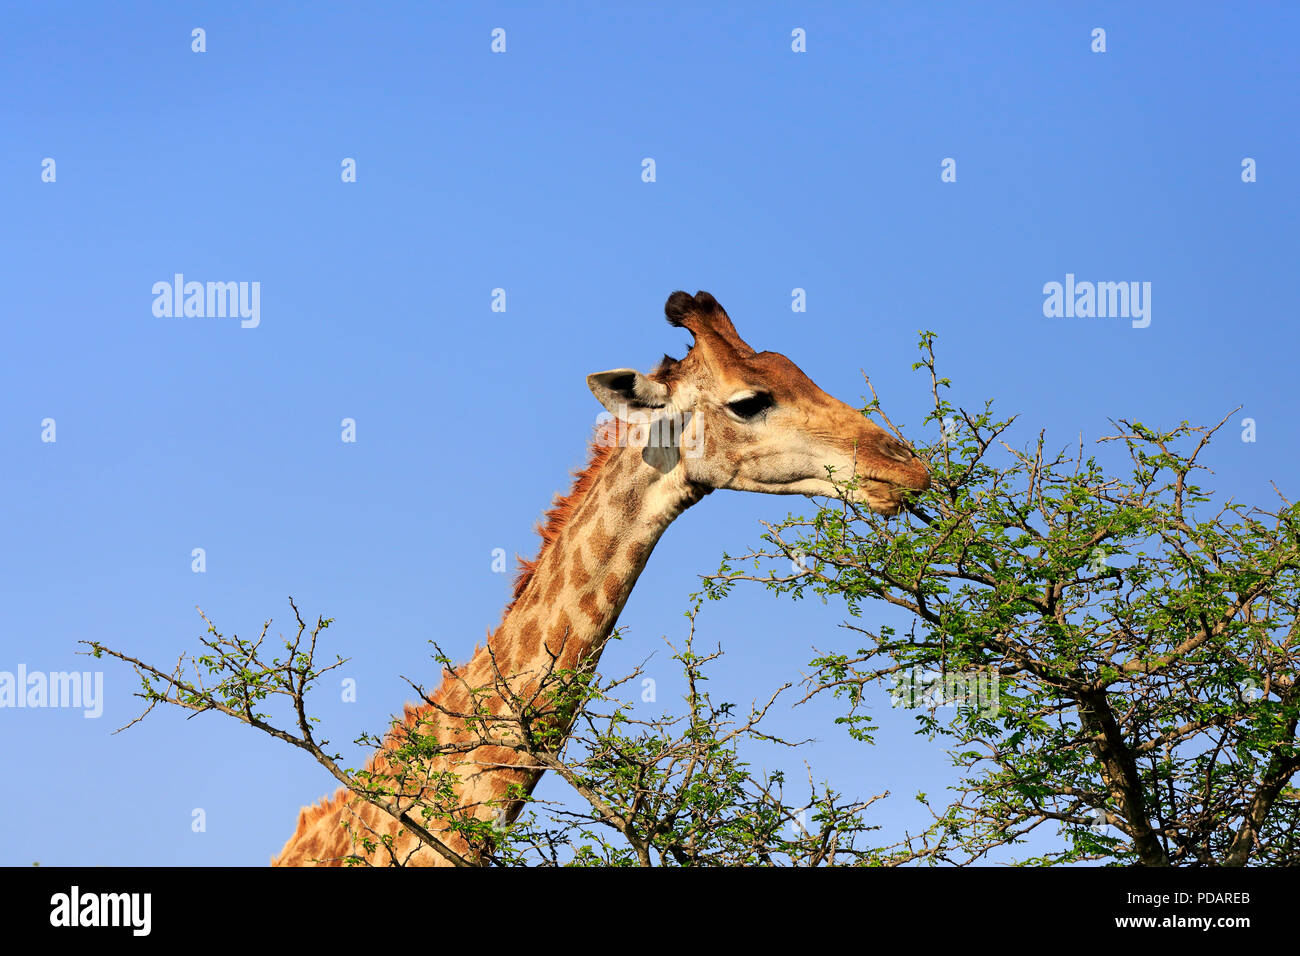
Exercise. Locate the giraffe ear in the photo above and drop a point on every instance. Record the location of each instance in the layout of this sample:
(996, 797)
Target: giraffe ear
(624, 389)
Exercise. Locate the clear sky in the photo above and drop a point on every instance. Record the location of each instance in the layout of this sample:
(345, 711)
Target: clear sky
(775, 170)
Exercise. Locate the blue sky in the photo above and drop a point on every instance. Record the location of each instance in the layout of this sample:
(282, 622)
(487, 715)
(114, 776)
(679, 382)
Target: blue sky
(775, 170)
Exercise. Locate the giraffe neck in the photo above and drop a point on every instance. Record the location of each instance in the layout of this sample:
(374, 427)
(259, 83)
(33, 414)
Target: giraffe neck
(595, 543)
(577, 587)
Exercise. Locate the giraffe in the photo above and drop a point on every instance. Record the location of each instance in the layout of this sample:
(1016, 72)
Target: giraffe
(746, 421)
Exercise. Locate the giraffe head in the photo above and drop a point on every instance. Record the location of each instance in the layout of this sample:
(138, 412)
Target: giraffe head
(734, 418)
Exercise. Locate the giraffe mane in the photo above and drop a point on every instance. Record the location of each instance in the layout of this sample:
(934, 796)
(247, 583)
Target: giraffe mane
(563, 506)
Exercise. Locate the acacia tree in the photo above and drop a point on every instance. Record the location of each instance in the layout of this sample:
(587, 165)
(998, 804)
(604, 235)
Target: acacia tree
(1109, 660)
(1139, 638)
(641, 791)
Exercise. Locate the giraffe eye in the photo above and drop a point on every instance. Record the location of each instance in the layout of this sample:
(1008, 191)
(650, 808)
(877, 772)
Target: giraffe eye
(751, 406)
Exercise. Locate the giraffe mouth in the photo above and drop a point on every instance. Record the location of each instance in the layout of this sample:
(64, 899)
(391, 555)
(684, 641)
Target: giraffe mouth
(886, 492)
(881, 496)
(909, 476)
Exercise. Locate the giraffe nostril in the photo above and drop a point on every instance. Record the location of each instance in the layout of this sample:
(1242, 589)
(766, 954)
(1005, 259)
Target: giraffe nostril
(894, 450)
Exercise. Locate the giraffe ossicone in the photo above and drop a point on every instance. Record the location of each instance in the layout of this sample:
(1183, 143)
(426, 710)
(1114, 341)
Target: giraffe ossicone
(722, 417)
